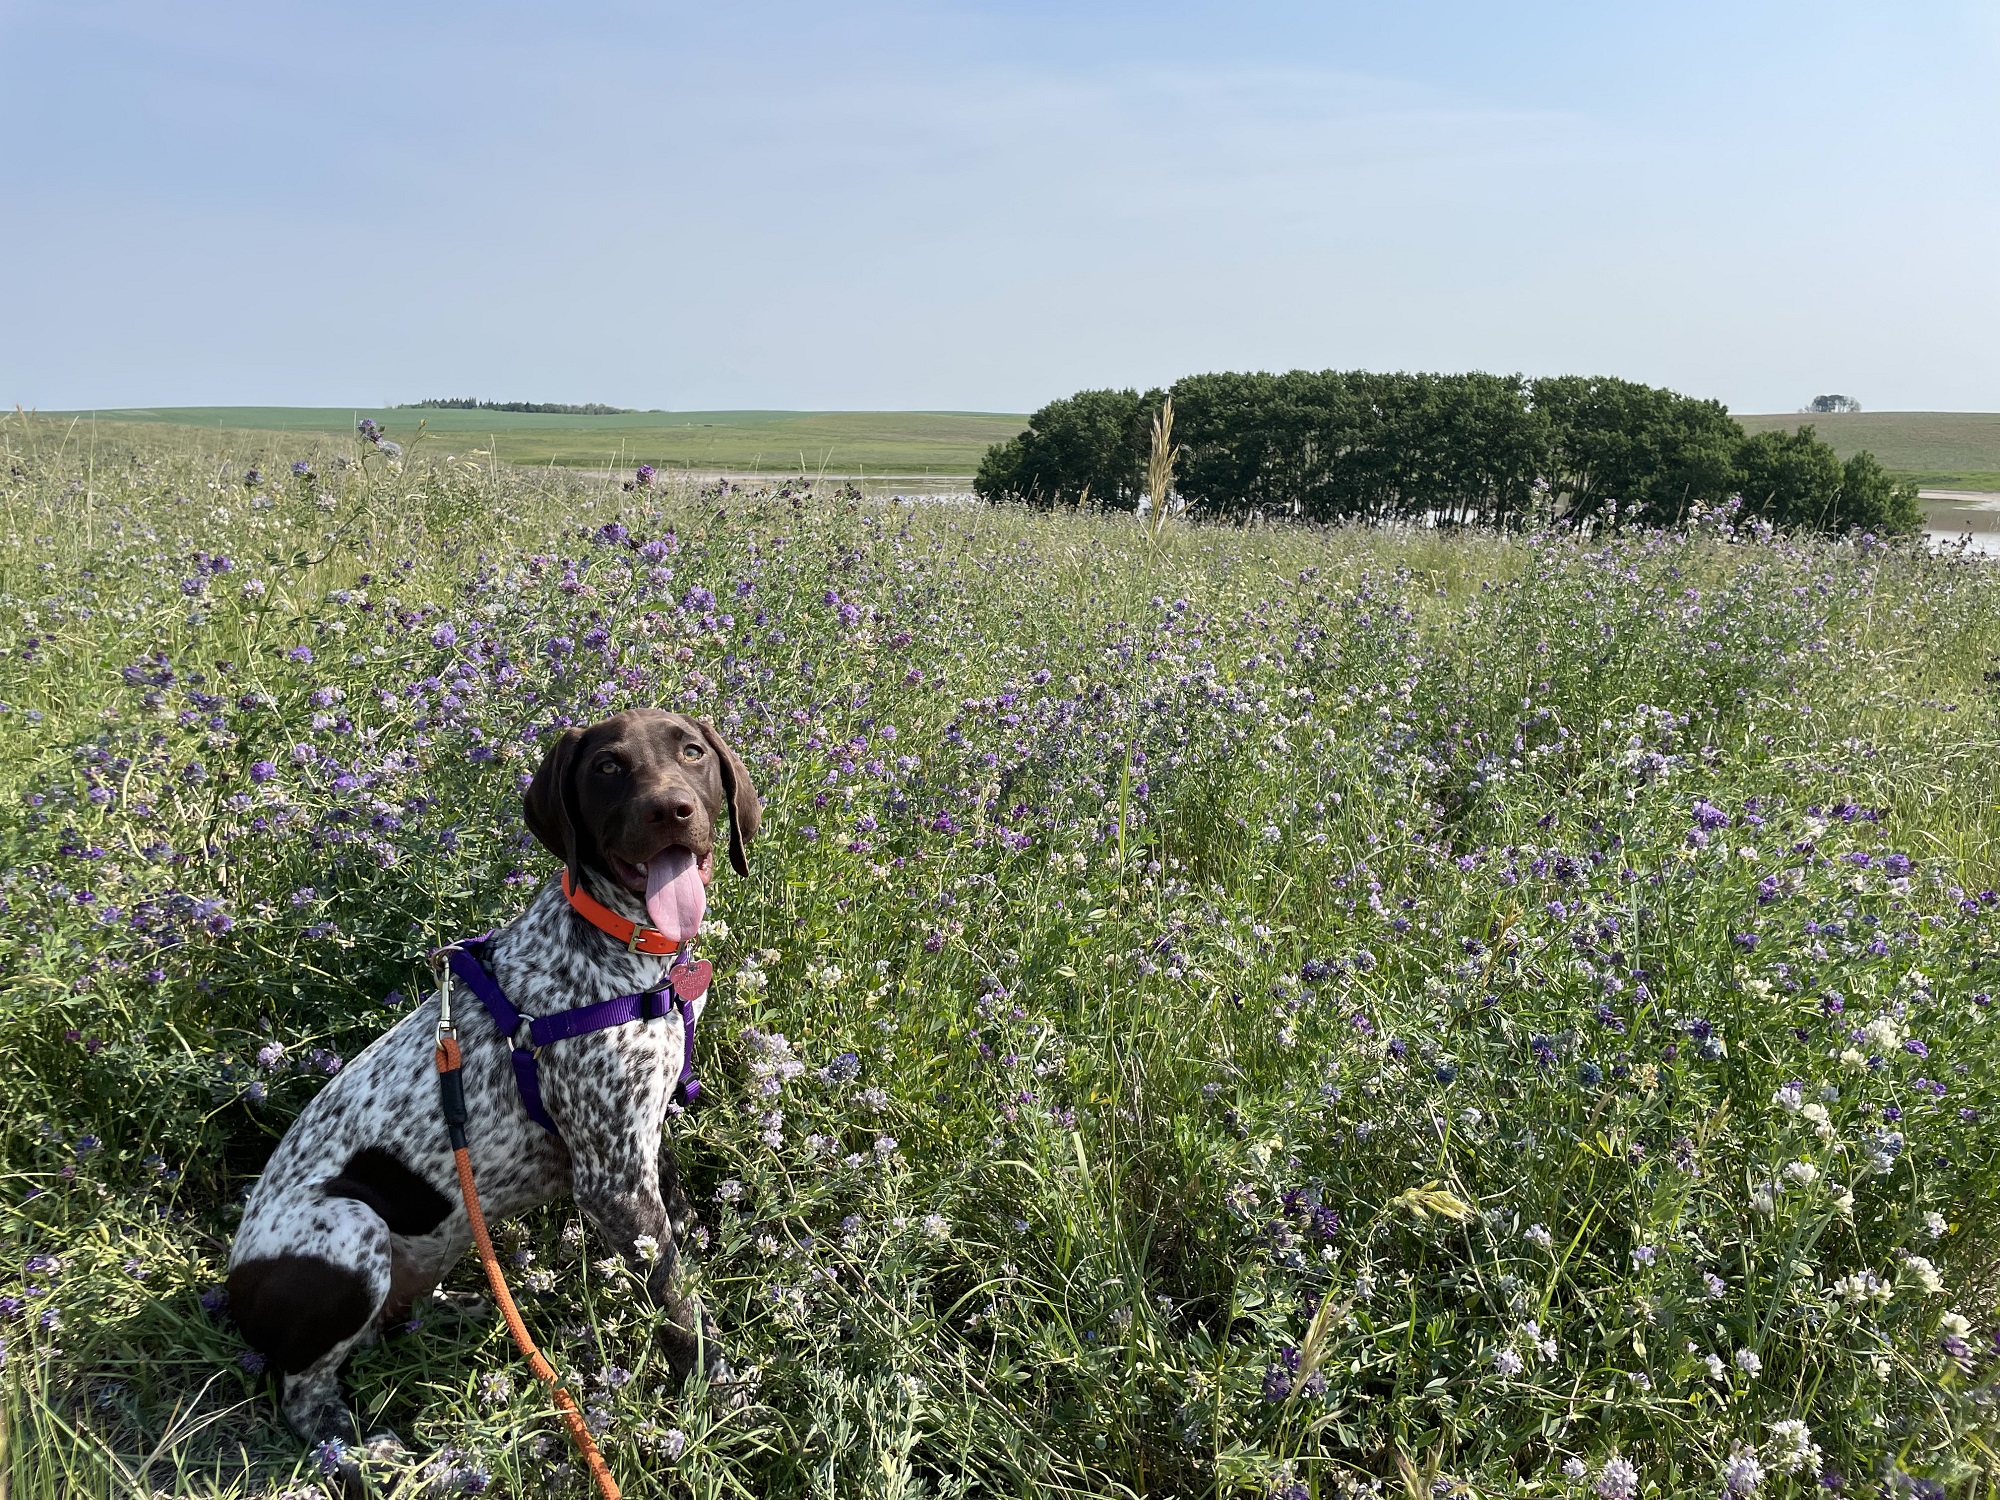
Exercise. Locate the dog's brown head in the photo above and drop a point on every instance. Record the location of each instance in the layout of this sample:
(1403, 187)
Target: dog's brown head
(623, 795)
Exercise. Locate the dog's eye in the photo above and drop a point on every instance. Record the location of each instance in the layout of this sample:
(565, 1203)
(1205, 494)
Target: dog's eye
(608, 767)
(690, 751)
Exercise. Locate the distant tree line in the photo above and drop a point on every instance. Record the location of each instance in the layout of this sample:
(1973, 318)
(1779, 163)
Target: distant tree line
(552, 408)
(1351, 445)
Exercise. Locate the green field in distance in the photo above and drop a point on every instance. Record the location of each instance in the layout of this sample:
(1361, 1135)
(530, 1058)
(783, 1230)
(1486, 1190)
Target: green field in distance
(787, 442)
(1952, 450)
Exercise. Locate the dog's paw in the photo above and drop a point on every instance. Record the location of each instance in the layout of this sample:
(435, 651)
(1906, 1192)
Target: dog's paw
(383, 1447)
(731, 1390)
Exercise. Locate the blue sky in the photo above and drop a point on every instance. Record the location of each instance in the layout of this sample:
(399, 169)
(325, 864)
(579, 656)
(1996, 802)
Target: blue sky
(982, 206)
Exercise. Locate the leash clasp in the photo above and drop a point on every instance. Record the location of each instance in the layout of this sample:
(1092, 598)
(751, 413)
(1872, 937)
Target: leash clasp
(445, 1026)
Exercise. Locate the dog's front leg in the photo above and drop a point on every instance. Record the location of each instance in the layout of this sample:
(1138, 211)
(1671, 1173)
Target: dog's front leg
(680, 1212)
(622, 1198)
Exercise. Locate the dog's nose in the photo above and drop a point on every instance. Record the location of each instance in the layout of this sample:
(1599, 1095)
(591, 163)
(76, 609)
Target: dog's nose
(674, 810)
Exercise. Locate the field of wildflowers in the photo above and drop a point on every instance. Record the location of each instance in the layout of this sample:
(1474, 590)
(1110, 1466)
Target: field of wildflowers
(1248, 1013)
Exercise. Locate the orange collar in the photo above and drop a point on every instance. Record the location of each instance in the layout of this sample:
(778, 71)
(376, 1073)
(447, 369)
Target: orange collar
(636, 939)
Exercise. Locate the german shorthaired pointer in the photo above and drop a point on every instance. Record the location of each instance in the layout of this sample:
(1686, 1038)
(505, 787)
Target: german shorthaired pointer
(358, 1214)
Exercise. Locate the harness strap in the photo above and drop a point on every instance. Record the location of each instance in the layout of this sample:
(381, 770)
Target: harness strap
(527, 1035)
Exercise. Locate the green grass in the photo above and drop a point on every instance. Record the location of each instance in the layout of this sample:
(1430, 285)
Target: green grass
(1938, 449)
(1336, 1013)
(789, 442)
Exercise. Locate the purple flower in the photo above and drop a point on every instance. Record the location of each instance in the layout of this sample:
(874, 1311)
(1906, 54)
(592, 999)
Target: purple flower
(262, 771)
(1916, 1048)
(252, 1361)
(444, 635)
(1708, 816)
(299, 653)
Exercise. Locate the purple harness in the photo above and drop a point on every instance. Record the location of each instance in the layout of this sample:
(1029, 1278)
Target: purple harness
(527, 1035)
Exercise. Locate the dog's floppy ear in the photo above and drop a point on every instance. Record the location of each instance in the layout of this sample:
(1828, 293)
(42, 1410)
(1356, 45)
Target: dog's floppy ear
(549, 805)
(744, 808)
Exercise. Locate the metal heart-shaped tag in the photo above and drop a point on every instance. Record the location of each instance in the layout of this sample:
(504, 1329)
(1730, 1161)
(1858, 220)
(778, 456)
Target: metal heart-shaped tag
(690, 981)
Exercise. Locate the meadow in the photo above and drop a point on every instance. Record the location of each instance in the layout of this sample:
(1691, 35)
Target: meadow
(1255, 1012)
(845, 443)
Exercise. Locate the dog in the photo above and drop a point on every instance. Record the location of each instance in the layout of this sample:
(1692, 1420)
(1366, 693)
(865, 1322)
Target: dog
(358, 1212)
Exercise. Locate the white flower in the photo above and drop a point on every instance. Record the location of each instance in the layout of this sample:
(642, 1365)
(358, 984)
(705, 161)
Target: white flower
(1717, 1370)
(1789, 1099)
(1538, 1235)
(1804, 1173)
(608, 1267)
(1843, 1201)
(1883, 1033)
(1864, 1286)
(646, 1248)
(729, 1190)
(1934, 1225)
(1617, 1480)
(716, 929)
(1506, 1363)
(1954, 1325)
(1748, 1362)
(1821, 1122)
(1924, 1274)
(1762, 1200)
(766, 1245)
(1574, 1469)
(1854, 1060)
(1792, 1448)
(885, 1147)
(936, 1227)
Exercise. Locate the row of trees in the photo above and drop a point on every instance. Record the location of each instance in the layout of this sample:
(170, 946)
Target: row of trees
(552, 408)
(1340, 445)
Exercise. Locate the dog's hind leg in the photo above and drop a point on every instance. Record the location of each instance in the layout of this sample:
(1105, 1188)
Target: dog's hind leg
(308, 1299)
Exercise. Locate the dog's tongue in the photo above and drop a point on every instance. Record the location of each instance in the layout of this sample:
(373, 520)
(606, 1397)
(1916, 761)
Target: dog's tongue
(675, 898)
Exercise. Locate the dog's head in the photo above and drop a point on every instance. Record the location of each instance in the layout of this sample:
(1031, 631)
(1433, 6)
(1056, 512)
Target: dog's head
(639, 795)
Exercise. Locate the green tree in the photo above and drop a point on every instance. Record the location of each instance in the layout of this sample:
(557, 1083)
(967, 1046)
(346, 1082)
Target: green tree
(1089, 445)
(1790, 479)
(1872, 500)
(1639, 445)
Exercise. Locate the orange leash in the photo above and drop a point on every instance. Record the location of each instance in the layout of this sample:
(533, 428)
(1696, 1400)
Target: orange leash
(451, 1090)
